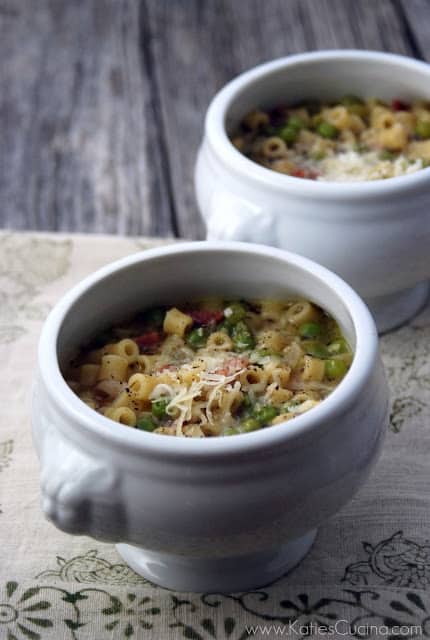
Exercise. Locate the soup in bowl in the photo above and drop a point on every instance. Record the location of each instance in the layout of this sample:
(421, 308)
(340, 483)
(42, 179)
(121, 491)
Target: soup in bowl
(212, 367)
(351, 139)
(295, 118)
(182, 509)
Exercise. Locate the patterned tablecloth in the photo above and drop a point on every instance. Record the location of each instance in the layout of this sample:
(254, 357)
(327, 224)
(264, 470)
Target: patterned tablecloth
(368, 574)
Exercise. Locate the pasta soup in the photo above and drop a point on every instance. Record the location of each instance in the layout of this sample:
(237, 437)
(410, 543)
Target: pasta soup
(213, 367)
(348, 140)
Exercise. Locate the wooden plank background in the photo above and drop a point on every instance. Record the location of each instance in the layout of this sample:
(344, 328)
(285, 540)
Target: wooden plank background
(102, 101)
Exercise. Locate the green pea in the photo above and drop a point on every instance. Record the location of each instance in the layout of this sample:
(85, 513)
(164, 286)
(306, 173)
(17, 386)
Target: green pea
(146, 423)
(318, 155)
(250, 424)
(327, 130)
(310, 330)
(387, 155)
(338, 346)
(296, 123)
(335, 369)
(154, 317)
(315, 348)
(425, 162)
(265, 414)
(197, 338)
(159, 408)
(259, 356)
(423, 129)
(240, 326)
(265, 353)
(246, 402)
(289, 134)
(243, 342)
(224, 326)
(242, 337)
(230, 431)
(234, 312)
(350, 99)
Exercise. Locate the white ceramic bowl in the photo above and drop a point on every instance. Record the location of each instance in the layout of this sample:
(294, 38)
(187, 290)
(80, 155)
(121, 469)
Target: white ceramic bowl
(375, 234)
(218, 514)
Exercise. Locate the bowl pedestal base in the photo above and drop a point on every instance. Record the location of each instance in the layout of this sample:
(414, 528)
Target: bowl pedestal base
(223, 575)
(395, 309)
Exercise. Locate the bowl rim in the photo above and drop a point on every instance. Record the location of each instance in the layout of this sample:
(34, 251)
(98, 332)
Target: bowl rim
(128, 439)
(225, 151)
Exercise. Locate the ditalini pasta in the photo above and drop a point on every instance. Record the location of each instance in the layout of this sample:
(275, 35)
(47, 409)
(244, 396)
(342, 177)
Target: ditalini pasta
(348, 140)
(213, 368)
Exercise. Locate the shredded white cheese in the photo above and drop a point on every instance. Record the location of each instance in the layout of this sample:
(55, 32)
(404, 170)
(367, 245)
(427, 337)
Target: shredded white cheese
(304, 406)
(351, 166)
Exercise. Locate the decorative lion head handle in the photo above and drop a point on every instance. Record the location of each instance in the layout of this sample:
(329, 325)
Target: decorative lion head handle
(80, 494)
(231, 218)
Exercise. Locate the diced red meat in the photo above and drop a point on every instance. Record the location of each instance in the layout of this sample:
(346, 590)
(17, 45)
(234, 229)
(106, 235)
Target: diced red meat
(206, 316)
(399, 105)
(167, 367)
(304, 173)
(148, 340)
(232, 365)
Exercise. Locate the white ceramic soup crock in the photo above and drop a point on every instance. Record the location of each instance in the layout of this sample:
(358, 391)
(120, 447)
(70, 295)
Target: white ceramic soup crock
(220, 514)
(374, 234)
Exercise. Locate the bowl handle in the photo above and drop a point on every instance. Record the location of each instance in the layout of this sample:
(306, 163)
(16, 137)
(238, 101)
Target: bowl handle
(73, 493)
(233, 218)
(80, 494)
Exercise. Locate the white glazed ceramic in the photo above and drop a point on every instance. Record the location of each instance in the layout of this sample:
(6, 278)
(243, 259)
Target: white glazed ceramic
(220, 514)
(375, 235)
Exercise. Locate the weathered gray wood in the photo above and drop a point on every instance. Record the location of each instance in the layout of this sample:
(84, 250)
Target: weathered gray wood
(79, 148)
(416, 14)
(102, 101)
(199, 45)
